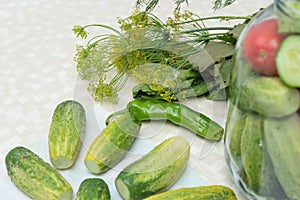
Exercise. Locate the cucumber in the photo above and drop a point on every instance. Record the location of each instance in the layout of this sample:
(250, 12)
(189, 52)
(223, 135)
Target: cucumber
(212, 192)
(35, 177)
(111, 145)
(66, 133)
(282, 138)
(93, 189)
(288, 60)
(268, 96)
(234, 129)
(156, 171)
(251, 151)
(258, 169)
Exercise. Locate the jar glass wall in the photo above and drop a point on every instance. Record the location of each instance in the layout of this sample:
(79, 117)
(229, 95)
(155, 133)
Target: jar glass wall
(262, 141)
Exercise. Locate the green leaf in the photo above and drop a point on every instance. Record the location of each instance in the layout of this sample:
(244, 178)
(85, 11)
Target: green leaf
(236, 32)
(211, 54)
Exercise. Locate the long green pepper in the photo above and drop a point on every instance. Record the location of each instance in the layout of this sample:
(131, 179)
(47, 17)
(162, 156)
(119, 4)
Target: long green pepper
(179, 114)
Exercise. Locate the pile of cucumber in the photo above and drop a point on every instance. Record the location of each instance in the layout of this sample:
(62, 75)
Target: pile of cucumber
(148, 177)
(263, 125)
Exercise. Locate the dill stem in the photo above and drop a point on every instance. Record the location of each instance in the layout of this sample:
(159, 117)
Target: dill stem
(207, 29)
(214, 17)
(103, 26)
(91, 42)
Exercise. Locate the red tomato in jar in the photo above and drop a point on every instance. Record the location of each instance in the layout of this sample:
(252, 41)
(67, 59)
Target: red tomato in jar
(260, 46)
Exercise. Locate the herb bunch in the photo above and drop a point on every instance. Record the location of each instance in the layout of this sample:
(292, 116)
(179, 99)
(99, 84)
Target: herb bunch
(142, 41)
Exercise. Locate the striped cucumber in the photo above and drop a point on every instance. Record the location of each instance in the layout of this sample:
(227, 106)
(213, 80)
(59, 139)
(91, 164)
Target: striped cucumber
(66, 133)
(259, 174)
(111, 145)
(212, 192)
(282, 138)
(93, 189)
(156, 171)
(35, 177)
(234, 126)
(251, 150)
(268, 96)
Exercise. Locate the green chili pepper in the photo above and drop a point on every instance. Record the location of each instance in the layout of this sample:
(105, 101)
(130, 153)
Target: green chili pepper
(179, 114)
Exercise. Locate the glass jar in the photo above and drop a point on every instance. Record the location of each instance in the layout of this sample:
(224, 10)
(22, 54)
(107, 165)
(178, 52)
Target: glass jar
(262, 141)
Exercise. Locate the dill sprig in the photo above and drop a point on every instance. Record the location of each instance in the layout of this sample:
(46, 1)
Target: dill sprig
(151, 4)
(221, 4)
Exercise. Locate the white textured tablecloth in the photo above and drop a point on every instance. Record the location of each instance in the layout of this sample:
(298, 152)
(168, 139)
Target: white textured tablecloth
(37, 71)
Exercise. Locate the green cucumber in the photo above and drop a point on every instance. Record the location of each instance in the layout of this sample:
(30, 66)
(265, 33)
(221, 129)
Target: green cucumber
(111, 145)
(93, 189)
(268, 96)
(251, 150)
(156, 171)
(35, 177)
(66, 133)
(288, 61)
(259, 174)
(234, 129)
(282, 138)
(211, 192)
